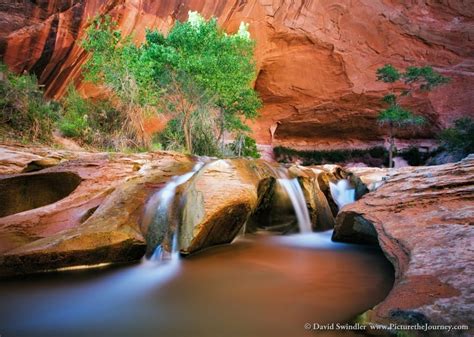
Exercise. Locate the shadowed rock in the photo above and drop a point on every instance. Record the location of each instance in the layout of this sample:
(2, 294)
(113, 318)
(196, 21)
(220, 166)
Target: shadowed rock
(22, 193)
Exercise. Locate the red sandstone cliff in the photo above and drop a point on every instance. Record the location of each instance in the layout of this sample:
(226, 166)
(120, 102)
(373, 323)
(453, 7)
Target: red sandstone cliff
(316, 59)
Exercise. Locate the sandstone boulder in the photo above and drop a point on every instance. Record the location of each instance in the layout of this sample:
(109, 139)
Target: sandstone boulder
(218, 201)
(423, 219)
(51, 224)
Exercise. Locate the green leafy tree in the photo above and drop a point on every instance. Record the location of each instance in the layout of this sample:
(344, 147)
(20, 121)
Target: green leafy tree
(116, 63)
(395, 116)
(202, 66)
(199, 74)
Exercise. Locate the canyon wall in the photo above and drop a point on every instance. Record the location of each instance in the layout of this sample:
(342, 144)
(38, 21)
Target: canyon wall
(316, 58)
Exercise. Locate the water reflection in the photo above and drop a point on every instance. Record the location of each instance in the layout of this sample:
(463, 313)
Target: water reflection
(259, 286)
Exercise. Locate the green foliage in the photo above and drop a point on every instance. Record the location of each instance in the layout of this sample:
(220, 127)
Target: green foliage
(376, 156)
(245, 146)
(460, 137)
(196, 68)
(24, 113)
(425, 77)
(390, 99)
(221, 65)
(172, 138)
(201, 66)
(74, 122)
(388, 74)
(396, 115)
(116, 63)
(202, 127)
(93, 122)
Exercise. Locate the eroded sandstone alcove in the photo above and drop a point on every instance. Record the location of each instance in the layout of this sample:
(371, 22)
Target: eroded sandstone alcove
(25, 192)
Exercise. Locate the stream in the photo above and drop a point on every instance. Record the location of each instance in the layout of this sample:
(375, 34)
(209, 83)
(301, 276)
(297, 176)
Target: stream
(260, 285)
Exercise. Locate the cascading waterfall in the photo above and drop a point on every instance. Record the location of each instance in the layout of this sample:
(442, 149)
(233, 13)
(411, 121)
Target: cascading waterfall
(342, 192)
(295, 193)
(157, 210)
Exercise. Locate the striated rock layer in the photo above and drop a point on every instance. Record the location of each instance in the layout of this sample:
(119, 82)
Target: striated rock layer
(423, 220)
(63, 208)
(316, 59)
(95, 221)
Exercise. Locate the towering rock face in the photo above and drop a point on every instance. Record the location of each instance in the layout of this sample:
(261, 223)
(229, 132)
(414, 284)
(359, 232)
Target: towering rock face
(316, 58)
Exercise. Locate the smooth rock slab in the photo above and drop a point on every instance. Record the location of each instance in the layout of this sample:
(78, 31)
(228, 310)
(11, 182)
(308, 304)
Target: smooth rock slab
(423, 219)
(98, 222)
(218, 201)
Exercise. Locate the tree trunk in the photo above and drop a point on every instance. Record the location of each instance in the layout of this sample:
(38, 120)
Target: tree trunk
(222, 131)
(187, 134)
(391, 147)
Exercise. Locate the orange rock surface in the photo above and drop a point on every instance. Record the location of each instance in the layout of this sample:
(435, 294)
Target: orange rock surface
(423, 219)
(316, 59)
(97, 221)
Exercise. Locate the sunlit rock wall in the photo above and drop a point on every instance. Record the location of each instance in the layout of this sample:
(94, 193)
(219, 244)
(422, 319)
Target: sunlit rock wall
(316, 59)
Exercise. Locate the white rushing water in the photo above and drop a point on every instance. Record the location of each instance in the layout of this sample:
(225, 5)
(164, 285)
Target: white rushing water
(295, 193)
(159, 204)
(342, 192)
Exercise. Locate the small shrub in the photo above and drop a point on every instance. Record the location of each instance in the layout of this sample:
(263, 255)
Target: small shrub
(93, 122)
(376, 156)
(245, 146)
(172, 137)
(24, 113)
(74, 121)
(459, 138)
(203, 127)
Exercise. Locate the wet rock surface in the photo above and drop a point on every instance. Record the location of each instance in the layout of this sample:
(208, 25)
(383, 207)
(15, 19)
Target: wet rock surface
(94, 208)
(218, 201)
(423, 219)
(96, 222)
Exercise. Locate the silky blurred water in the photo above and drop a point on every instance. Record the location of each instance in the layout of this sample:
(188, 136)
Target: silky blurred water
(260, 285)
(342, 192)
(295, 193)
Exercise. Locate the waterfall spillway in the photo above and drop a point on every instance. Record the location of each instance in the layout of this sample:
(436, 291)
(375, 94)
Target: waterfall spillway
(293, 190)
(156, 214)
(342, 192)
(295, 193)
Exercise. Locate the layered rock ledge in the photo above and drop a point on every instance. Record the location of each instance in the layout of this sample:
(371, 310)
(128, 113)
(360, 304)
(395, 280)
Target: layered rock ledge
(423, 219)
(95, 221)
(70, 208)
